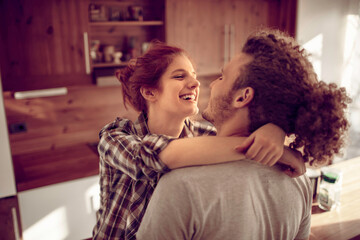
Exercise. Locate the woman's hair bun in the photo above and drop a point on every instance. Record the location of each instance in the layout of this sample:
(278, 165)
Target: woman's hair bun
(124, 74)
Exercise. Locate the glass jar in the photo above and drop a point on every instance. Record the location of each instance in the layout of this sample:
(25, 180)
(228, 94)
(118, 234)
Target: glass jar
(330, 189)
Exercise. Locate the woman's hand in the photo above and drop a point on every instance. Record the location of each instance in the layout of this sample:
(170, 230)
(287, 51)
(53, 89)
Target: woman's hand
(265, 145)
(292, 163)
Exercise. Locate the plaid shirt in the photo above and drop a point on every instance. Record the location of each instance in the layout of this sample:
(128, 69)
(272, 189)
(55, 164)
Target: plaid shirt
(129, 172)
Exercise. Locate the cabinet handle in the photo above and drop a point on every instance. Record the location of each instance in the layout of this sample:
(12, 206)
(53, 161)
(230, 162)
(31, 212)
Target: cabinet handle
(232, 41)
(226, 43)
(15, 222)
(87, 55)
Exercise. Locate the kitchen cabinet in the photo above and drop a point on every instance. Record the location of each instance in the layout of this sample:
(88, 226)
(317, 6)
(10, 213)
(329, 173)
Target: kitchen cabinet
(9, 214)
(43, 44)
(61, 135)
(60, 211)
(120, 30)
(212, 31)
(55, 160)
(7, 178)
(198, 27)
(10, 227)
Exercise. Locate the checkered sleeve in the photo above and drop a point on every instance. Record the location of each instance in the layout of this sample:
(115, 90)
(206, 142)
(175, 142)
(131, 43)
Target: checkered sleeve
(202, 129)
(137, 157)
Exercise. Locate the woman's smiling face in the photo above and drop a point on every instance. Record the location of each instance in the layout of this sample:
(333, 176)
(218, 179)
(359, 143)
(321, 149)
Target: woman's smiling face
(178, 91)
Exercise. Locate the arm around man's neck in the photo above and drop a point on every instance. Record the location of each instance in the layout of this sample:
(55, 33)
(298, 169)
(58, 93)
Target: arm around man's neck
(201, 151)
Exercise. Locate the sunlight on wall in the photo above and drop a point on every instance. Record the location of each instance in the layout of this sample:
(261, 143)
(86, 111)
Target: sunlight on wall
(53, 226)
(351, 71)
(351, 78)
(315, 48)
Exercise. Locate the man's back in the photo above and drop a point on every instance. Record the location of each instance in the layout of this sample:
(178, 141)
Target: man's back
(238, 200)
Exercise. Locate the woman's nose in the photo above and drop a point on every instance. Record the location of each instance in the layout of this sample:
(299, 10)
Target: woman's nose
(194, 83)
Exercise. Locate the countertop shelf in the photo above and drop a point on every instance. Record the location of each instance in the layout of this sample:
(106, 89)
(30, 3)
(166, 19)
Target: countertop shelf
(341, 223)
(127, 23)
(59, 143)
(108, 65)
(54, 166)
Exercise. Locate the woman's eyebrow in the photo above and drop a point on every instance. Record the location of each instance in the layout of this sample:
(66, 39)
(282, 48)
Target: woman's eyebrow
(178, 70)
(182, 70)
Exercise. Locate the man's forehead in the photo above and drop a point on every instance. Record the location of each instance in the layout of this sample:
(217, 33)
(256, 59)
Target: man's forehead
(242, 58)
(237, 62)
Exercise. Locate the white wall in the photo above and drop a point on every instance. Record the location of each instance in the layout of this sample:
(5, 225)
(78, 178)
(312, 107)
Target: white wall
(63, 211)
(7, 179)
(325, 19)
(330, 31)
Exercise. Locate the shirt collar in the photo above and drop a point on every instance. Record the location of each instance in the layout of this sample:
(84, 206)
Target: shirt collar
(141, 126)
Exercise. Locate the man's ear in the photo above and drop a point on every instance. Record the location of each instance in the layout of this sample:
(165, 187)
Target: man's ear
(149, 94)
(243, 97)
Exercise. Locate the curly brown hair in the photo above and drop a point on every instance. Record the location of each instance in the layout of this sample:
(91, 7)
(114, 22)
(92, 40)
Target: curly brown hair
(288, 94)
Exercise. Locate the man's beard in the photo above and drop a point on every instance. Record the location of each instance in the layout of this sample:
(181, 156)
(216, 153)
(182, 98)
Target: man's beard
(218, 110)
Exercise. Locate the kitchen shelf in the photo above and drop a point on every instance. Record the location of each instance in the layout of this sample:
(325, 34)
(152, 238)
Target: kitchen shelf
(105, 65)
(127, 23)
(130, 37)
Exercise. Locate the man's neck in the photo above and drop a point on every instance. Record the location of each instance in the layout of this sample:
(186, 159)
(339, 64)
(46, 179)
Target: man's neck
(234, 126)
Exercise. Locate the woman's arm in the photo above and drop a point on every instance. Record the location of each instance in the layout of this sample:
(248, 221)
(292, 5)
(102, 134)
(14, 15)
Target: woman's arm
(211, 150)
(201, 151)
(265, 145)
(293, 161)
(121, 148)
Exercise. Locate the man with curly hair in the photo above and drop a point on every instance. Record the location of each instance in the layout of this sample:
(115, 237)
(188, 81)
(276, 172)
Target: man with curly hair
(270, 81)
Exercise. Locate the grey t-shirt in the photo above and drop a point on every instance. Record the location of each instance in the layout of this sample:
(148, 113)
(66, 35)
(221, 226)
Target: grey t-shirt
(237, 200)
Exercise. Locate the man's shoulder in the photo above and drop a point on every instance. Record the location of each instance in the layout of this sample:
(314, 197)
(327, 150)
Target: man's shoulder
(242, 170)
(197, 174)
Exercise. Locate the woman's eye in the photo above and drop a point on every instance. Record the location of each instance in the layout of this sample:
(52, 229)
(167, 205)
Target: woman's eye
(179, 77)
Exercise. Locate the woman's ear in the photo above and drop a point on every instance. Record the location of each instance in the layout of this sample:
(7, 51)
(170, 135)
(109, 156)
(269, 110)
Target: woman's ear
(148, 93)
(243, 97)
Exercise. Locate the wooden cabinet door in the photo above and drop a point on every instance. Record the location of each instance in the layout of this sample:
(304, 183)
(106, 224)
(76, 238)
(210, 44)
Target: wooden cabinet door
(198, 27)
(10, 228)
(60, 211)
(213, 31)
(247, 16)
(42, 43)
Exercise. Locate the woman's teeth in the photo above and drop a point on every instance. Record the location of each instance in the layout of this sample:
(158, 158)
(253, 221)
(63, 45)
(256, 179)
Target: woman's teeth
(188, 97)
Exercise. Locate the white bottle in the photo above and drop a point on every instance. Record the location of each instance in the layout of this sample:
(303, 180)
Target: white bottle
(330, 189)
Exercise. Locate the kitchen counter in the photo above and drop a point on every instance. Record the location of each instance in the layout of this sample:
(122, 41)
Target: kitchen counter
(57, 142)
(344, 221)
